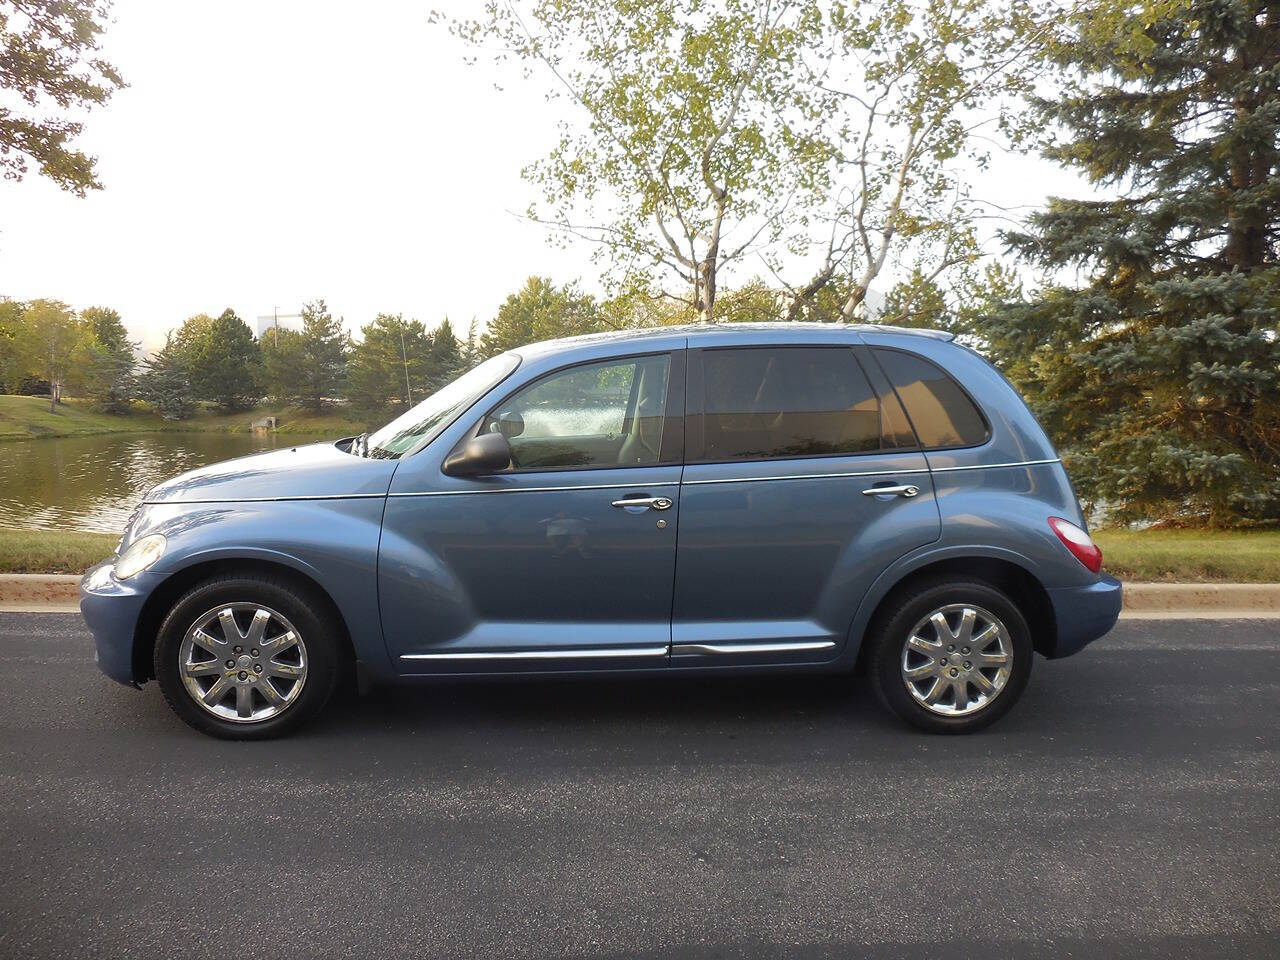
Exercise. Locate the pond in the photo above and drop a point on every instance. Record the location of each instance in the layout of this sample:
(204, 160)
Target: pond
(93, 483)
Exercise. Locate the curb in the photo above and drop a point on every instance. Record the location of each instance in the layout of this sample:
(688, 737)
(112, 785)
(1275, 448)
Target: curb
(39, 593)
(59, 593)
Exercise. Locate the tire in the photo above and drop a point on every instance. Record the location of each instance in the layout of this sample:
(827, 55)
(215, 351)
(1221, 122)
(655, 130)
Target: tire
(288, 680)
(907, 638)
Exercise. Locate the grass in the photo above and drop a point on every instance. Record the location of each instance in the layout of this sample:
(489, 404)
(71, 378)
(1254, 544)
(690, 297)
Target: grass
(53, 551)
(26, 418)
(1142, 555)
(1191, 556)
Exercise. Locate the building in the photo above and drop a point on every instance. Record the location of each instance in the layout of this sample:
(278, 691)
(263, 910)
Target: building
(279, 321)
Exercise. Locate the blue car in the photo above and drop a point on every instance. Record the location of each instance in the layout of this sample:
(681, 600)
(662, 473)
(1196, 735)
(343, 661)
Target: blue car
(682, 500)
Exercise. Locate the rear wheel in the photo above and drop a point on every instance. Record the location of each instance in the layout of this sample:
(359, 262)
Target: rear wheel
(951, 657)
(246, 658)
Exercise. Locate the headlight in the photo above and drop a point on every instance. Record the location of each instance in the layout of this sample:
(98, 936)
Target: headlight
(141, 555)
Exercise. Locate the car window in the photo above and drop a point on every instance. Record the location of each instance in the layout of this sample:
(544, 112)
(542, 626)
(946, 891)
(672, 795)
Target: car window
(940, 410)
(761, 404)
(607, 414)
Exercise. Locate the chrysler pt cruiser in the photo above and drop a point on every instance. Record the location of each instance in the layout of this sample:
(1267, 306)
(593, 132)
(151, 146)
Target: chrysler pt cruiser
(745, 498)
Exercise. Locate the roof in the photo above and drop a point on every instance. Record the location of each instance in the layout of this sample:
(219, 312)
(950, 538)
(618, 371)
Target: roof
(694, 330)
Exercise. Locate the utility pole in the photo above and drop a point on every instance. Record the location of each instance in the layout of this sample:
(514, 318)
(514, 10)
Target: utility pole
(404, 355)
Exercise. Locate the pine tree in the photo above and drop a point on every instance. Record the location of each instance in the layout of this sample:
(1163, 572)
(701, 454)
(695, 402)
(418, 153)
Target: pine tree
(325, 346)
(539, 311)
(446, 355)
(223, 359)
(165, 383)
(389, 367)
(1160, 377)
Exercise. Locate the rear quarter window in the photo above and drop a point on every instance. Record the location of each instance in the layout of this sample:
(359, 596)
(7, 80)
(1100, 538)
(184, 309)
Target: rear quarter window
(940, 410)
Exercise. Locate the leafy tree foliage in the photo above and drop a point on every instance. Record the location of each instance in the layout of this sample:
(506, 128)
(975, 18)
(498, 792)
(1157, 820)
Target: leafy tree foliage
(46, 337)
(165, 383)
(697, 138)
(540, 311)
(1160, 376)
(10, 320)
(49, 53)
(222, 359)
(103, 361)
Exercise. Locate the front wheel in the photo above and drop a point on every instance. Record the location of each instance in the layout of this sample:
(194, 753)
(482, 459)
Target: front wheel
(246, 658)
(951, 658)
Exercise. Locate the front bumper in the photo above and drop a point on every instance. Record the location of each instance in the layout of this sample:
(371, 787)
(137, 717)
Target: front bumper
(1084, 614)
(111, 609)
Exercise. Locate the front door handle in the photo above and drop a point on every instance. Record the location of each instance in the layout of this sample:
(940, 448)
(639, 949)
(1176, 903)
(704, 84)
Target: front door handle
(904, 490)
(653, 503)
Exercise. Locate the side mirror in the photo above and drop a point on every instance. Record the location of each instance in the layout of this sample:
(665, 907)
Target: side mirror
(486, 453)
(509, 423)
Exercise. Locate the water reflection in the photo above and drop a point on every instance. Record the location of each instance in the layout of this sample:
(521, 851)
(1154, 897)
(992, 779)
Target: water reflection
(93, 483)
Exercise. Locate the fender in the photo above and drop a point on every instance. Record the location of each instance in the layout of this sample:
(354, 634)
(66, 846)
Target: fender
(918, 559)
(333, 543)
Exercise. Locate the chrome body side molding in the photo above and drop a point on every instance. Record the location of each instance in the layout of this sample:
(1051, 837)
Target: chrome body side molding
(572, 654)
(716, 649)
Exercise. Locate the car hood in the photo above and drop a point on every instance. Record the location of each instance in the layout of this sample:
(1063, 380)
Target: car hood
(313, 471)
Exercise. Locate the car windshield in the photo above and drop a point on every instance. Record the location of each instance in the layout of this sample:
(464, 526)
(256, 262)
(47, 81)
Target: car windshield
(423, 422)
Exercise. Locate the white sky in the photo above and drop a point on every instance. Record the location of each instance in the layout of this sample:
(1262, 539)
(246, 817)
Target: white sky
(269, 153)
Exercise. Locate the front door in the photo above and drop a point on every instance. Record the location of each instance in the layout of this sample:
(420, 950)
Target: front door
(782, 529)
(566, 561)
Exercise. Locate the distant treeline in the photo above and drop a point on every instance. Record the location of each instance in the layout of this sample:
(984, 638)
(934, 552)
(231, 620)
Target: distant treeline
(47, 347)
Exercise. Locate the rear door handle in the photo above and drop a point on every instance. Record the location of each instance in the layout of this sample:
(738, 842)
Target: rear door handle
(904, 490)
(653, 503)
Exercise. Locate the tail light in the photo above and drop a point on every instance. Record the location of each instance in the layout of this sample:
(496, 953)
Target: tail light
(1078, 542)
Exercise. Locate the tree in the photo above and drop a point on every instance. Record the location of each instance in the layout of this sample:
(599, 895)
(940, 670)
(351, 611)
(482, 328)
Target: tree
(698, 144)
(46, 337)
(49, 53)
(324, 356)
(539, 311)
(389, 367)
(913, 85)
(10, 321)
(223, 360)
(446, 355)
(103, 361)
(1160, 376)
(284, 359)
(165, 383)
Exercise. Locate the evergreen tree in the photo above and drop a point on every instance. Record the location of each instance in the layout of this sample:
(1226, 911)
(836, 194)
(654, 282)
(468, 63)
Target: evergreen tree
(325, 345)
(1160, 377)
(446, 355)
(284, 372)
(389, 368)
(223, 360)
(165, 383)
(539, 311)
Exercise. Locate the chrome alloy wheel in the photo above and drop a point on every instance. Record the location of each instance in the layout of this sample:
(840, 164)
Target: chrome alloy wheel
(243, 662)
(956, 660)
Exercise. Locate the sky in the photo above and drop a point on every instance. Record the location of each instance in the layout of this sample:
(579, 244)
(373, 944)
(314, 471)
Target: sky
(269, 153)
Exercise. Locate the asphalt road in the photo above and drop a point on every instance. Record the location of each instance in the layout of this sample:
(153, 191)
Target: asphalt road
(1130, 806)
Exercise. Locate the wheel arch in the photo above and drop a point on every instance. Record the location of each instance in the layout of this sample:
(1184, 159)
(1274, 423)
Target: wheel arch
(1002, 573)
(163, 597)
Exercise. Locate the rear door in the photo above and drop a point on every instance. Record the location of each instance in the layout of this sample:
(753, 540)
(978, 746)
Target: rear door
(782, 529)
